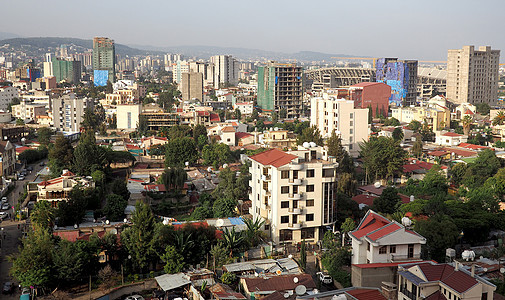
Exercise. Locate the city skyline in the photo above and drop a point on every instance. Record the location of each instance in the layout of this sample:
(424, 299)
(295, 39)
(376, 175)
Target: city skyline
(397, 29)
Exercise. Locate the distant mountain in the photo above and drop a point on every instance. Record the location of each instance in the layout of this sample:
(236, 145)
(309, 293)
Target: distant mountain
(242, 53)
(8, 35)
(39, 44)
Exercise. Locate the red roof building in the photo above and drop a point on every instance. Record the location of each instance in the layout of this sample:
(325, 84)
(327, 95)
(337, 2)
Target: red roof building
(273, 157)
(371, 94)
(379, 240)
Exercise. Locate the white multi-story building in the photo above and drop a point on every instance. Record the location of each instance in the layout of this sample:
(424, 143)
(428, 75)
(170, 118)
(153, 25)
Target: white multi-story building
(379, 240)
(472, 75)
(245, 108)
(225, 70)
(26, 110)
(295, 192)
(329, 113)
(68, 111)
(127, 116)
(7, 93)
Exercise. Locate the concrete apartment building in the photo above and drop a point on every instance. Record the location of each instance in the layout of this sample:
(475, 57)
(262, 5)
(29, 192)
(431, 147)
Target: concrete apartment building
(401, 76)
(280, 86)
(225, 70)
(68, 111)
(191, 86)
(26, 110)
(374, 95)
(104, 59)
(429, 280)
(127, 116)
(329, 113)
(295, 192)
(68, 70)
(7, 93)
(472, 75)
(437, 116)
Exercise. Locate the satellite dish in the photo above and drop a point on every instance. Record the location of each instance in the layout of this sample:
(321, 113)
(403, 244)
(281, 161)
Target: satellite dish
(76, 226)
(107, 222)
(377, 185)
(55, 227)
(295, 279)
(412, 198)
(219, 222)
(312, 144)
(187, 163)
(286, 295)
(125, 220)
(225, 166)
(209, 169)
(290, 256)
(300, 290)
(406, 222)
(113, 231)
(306, 145)
(485, 269)
(502, 270)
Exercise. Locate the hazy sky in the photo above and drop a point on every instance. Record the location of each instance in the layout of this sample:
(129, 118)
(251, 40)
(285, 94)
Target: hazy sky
(399, 28)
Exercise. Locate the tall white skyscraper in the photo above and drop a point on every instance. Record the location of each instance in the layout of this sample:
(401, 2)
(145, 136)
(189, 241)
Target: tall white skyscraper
(225, 70)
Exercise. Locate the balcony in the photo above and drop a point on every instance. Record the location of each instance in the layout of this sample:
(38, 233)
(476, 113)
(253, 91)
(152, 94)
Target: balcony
(268, 193)
(295, 167)
(295, 211)
(295, 196)
(266, 177)
(295, 182)
(295, 226)
(400, 258)
(408, 293)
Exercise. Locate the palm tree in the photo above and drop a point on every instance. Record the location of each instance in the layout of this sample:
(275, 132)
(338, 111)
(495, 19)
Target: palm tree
(254, 233)
(467, 121)
(500, 118)
(183, 242)
(43, 215)
(232, 239)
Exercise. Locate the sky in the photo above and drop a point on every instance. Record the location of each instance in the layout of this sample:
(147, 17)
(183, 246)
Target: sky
(407, 29)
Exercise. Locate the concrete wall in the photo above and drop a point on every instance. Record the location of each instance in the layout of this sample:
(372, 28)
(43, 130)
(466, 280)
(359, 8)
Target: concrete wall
(373, 277)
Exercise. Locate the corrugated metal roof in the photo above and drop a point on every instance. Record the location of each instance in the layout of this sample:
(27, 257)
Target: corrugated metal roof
(411, 277)
(169, 282)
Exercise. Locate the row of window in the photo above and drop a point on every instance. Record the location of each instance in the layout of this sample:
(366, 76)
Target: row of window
(308, 203)
(285, 189)
(308, 218)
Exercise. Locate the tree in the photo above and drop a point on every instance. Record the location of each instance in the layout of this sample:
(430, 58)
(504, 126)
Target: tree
(199, 130)
(347, 184)
(392, 122)
(388, 202)
(466, 122)
(310, 134)
(398, 134)
(500, 118)
(33, 265)
(119, 187)
(44, 135)
(142, 125)
(75, 261)
(15, 101)
(224, 207)
(485, 166)
(114, 207)
(174, 178)
(255, 114)
(303, 256)
(383, 157)
(88, 156)
(483, 108)
(139, 238)
(90, 120)
(434, 181)
(179, 151)
(232, 239)
(440, 233)
(228, 278)
(238, 114)
(334, 260)
(426, 132)
(346, 227)
(108, 88)
(254, 234)
(283, 113)
(20, 122)
(174, 262)
(219, 254)
(232, 187)
(98, 177)
(458, 172)
(275, 117)
(72, 211)
(414, 125)
(335, 146)
(61, 155)
(216, 154)
(417, 148)
(43, 215)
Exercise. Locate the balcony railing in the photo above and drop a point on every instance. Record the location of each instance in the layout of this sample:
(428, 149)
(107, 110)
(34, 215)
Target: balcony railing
(295, 211)
(408, 293)
(295, 225)
(295, 166)
(397, 258)
(295, 181)
(266, 177)
(295, 196)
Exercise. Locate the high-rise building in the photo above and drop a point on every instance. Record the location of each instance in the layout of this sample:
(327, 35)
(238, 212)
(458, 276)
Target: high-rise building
(401, 76)
(225, 70)
(68, 111)
(472, 75)
(191, 86)
(280, 86)
(66, 70)
(295, 192)
(104, 58)
(328, 114)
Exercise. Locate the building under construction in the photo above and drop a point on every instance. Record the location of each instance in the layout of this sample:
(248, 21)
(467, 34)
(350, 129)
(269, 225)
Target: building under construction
(280, 86)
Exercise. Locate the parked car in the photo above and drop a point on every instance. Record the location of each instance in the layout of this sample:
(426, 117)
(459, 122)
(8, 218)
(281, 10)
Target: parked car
(5, 206)
(7, 289)
(135, 297)
(3, 215)
(324, 278)
(21, 177)
(29, 168)
(25, 291)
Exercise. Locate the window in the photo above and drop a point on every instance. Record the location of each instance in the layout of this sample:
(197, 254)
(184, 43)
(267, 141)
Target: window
(309, 217)
(383, 250)
(328, 172)
(392, 249)
(284, 189)
(284, 174)
(284, 204)
(368, 246)
(267, 227)
(310, 173)
(284, 219)
(295, 189)
(295, 203)
(308, 233)
(295, 174)
(310, 202)
(310, 188)
(265, 185)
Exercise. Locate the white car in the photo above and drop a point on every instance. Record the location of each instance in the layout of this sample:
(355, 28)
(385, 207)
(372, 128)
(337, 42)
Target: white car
(3, 215)
(324, 278)
(5, 206)
(135, 297)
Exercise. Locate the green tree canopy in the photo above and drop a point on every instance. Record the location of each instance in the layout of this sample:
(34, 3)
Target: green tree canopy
(383, 157)
(388, 202)
(44, 135)
(61, 155)
(310, 134)
(335, 146)
(179, 151)
(114, 207)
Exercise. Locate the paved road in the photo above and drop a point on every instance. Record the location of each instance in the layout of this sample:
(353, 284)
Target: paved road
(12, 234)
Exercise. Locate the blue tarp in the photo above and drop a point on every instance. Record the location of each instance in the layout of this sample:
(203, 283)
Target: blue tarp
(236, 221)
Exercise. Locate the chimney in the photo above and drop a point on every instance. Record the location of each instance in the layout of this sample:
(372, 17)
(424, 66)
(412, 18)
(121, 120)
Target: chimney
(389, 290)
(456, 267)
(473, 270)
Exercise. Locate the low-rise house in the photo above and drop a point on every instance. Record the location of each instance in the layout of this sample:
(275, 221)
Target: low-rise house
(244, 138)
(58, 189)
(261, 287)
(280, 139)
(245, 108)
(352, 293)
(450, 139)
(379, 240)
(270, 267)
(221, 291)
(429, 280)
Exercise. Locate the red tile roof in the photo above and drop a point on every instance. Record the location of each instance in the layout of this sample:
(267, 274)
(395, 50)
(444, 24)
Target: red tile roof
(241, 135)
(22, 149)
(51, 181)
(214, 118)
(228, 129)
(68, 174)
(472, 146)
(438, 153)
(460, 152)
(390, 228)
(370, 223)
(366, 294)
(279, 283)
(364, 199)
(436, 296)
(469, 112)
(458, 280)
(454, 134)
(222, 291)
(381, 265)
(273, 157)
